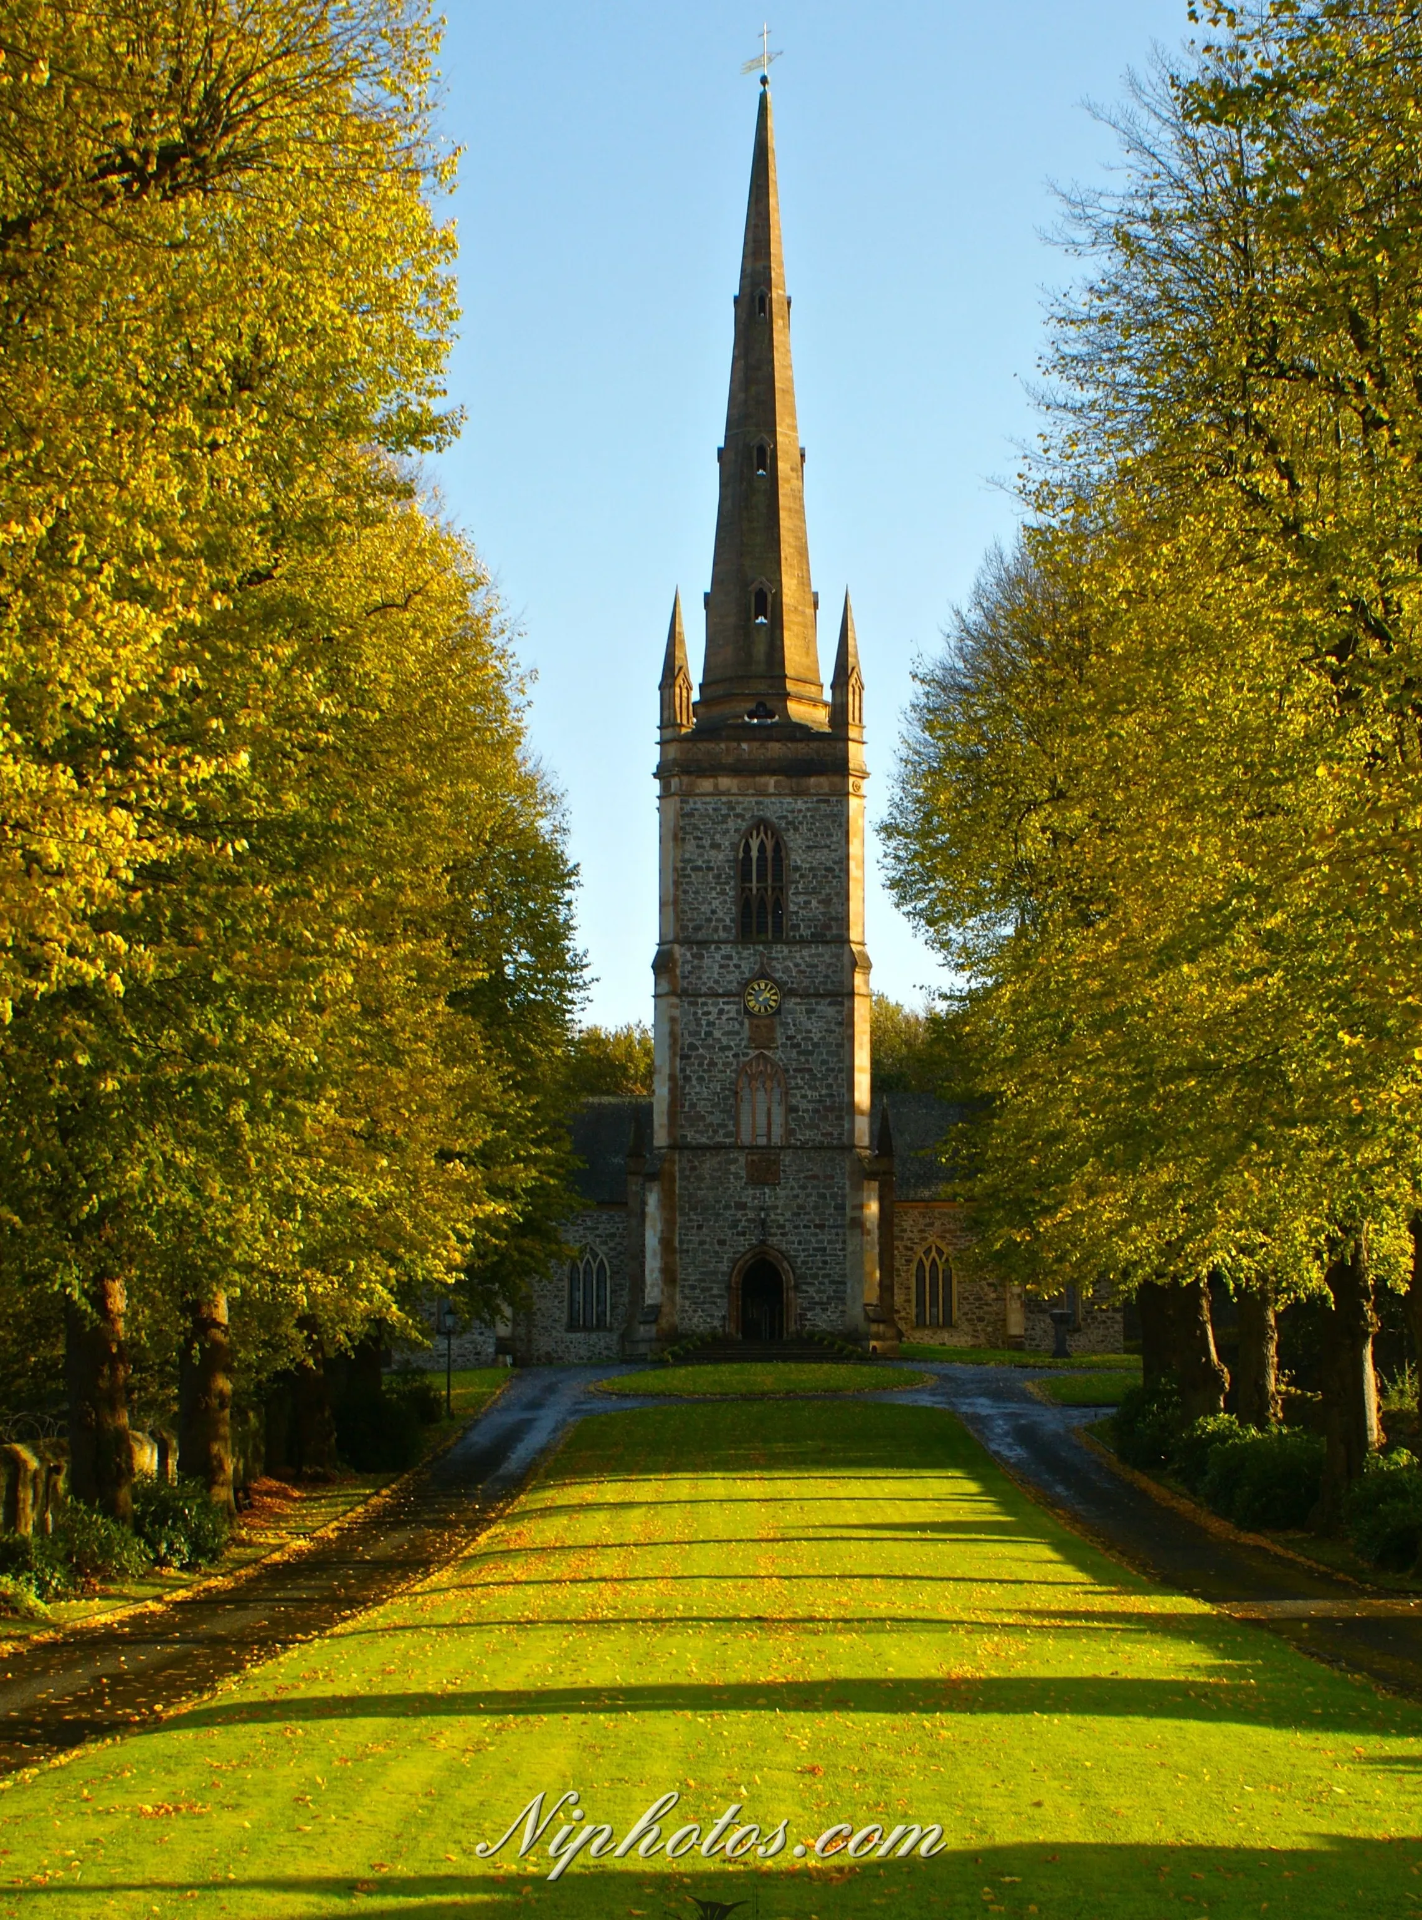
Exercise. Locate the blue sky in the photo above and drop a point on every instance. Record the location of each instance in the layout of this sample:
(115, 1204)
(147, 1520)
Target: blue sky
(602, 194)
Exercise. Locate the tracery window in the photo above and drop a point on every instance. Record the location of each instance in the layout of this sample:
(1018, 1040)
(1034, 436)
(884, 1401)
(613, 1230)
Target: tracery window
(760, 1103)
(934, 1304)
(587, 1290)
(761, 874)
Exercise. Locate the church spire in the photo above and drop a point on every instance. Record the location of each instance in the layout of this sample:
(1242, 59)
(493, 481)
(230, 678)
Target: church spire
(761, 656)
(676, 676)
(847, 683)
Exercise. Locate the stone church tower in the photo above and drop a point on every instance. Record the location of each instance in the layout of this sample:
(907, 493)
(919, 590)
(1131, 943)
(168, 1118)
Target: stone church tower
(760, 1215)
(744, 1201)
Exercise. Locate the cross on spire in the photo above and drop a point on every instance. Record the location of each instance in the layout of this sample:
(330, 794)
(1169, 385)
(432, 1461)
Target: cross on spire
(763, 58)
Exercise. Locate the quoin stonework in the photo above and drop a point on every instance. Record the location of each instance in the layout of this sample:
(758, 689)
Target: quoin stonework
(764, 1195)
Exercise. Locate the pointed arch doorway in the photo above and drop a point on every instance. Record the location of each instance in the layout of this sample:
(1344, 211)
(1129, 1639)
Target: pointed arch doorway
(762, 1297)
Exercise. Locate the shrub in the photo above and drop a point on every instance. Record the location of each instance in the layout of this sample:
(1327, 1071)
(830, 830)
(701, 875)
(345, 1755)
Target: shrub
(179, 1525)
(22, 1569)
(17, 1596)
(1149, 1424)
(421, 1391)
(1265, 1479)
(85, 1548)
(93, 1547)
(1385, 1512)
(38, 1562)
(378, 1432)
(1190, 1457)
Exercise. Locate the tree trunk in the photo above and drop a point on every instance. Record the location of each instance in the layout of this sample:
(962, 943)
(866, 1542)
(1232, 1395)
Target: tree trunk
(1414, 1312)
(1256, 1385)
(205, 1399)
(1350, 1388)
(1153, 1306)
(1203, 1379)
(96, 1379)
(312, 1445)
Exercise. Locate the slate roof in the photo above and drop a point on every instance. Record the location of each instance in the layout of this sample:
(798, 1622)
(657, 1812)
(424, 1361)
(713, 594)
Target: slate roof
(602, 1133)
(918, 1122)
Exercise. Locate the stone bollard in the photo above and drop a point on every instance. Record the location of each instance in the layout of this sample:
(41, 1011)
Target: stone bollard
(20, 1479)
(54, 1489)
(143, 1449)
(167, 1443)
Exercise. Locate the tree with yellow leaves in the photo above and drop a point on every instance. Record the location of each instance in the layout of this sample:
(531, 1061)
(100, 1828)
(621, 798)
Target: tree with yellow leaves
(286, 932)
(1163, 805)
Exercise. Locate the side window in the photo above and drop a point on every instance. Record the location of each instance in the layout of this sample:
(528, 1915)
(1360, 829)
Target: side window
(587, 1290)
(934, 1304)
(761, 886)
(760, 1103)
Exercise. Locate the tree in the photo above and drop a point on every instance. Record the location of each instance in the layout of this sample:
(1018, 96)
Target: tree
(283, 897)
(1162, 803)
(612, 1060)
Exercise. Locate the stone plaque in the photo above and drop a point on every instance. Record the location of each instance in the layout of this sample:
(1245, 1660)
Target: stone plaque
(763, 1169)
(764, 1031)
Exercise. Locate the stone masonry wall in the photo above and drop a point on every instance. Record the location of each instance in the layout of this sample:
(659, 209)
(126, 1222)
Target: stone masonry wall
(473, 1346)
(811, 1217)
(542, 1336)
(722, 1218)
(1101, 1328)
(981, 1319)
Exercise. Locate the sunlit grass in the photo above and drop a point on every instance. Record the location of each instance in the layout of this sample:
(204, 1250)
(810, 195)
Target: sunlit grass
(825, 1610)
(777, 1378)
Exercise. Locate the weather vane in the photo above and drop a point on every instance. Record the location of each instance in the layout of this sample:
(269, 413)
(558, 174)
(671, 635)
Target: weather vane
(763, 59)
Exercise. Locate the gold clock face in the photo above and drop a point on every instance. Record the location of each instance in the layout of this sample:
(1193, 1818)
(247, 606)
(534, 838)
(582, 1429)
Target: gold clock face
(762, 997)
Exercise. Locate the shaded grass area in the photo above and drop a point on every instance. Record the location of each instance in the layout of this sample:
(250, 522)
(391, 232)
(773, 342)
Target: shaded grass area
(775, 1378)
(832, 1611)
(1018, 1357)
(282, 1514)
(1086, 1389)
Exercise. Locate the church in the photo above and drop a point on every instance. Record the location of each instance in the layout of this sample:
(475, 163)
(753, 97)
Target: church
(762, 1195)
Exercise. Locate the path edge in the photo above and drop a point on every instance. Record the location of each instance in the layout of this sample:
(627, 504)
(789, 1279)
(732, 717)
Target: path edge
(219, 1582)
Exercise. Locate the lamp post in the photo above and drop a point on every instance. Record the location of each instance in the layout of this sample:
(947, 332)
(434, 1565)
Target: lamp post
(1061, 1319)
(446, 1321)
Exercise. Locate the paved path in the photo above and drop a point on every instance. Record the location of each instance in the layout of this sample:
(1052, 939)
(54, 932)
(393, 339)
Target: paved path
(1368, 1632)
(114, 1678)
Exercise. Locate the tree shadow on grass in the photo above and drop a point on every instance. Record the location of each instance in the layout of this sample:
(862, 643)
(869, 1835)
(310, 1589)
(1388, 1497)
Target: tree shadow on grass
(827, 1533)
(1062, 1882)
(1238, 1698)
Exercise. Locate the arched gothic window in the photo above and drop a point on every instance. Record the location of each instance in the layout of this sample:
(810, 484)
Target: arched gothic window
(761, 875)
(762, 465)
(760, 606)
(760, 1103)
(587, 1290)
(934, 1304)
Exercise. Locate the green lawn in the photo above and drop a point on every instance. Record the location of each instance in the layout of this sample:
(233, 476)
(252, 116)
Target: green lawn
(1087, 1389)
(776, 1378)
(825, 1611)
(1016, 1357)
